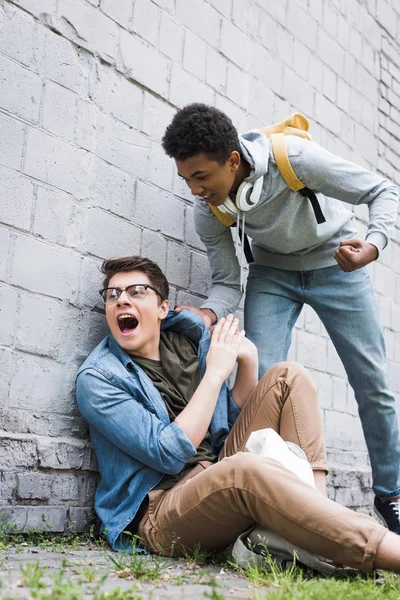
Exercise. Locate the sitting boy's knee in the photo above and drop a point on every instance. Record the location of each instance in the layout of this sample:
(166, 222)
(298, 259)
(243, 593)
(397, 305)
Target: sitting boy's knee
(287, 371)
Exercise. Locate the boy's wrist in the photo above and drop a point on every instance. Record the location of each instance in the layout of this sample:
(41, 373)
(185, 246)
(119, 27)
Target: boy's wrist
(209, 316)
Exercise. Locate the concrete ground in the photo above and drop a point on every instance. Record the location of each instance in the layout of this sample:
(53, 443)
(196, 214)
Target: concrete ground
(58, 574)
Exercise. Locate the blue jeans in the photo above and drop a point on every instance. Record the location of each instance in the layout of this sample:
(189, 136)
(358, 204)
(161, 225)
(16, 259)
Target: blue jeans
(346, 305)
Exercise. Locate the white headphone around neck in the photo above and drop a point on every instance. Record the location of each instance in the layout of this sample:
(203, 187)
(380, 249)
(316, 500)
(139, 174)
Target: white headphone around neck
(247, 197)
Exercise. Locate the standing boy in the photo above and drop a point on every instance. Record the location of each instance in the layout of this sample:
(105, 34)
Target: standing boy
(297, 261)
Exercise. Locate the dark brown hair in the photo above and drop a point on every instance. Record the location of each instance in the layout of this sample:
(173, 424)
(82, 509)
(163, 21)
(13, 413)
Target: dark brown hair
(136, 263)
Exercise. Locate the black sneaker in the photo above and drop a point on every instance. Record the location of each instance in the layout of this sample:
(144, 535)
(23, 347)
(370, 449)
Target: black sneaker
(389, 513)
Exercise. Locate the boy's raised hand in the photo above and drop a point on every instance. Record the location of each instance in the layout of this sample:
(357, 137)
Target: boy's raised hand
(355, 254)
(224, 348)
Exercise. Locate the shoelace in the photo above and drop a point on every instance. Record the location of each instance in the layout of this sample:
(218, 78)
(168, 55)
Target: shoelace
(395, 507)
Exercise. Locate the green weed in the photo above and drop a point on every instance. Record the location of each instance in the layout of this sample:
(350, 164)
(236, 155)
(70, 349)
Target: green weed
(31, 576)
(138, 565)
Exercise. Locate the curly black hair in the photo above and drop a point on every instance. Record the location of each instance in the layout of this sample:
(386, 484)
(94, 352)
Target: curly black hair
(200, 128)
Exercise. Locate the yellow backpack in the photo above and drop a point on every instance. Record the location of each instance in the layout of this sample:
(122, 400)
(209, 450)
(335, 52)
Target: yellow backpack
(295, 124)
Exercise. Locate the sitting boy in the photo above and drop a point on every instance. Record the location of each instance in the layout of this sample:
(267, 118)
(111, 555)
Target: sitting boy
(169, 435)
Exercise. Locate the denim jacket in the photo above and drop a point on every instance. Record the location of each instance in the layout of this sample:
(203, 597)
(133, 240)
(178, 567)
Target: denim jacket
(130, 430)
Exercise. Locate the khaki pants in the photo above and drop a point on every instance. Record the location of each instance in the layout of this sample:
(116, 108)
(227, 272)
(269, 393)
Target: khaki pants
(217, 502)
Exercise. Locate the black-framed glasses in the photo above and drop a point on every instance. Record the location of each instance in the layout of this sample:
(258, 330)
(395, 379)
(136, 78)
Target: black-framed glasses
(135, 292)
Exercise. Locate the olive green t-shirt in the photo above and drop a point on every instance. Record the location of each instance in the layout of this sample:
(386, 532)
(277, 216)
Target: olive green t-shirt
(176, 376)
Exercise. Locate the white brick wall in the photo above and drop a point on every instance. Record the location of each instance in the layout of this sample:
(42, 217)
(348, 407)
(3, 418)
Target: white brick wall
(87, 88)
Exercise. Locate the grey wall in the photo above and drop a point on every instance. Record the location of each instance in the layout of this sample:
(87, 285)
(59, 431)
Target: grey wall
(86, 90)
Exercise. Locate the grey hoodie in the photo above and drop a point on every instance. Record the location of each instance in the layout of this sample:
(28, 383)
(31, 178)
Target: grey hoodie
(283, 227)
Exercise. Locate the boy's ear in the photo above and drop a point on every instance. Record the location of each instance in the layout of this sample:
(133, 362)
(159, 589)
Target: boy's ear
(163, 309)
(234, 160)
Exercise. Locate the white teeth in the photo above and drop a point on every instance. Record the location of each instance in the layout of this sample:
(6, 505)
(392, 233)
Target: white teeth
(126, 317)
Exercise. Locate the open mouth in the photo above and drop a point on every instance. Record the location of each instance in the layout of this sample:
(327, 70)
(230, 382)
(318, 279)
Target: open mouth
(127, 324)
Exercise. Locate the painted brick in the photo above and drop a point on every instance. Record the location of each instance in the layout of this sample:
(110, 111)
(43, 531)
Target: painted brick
(59, 278)
(185, 89)
(121, 98)
(112, 189)
(86, 125)
(234, 112)
(312, 351)
(330, 52)
(366, 143)
(159, 210)
(161, 167)
(285, 46)
(216, 70)
(334, 366)
(16, 199)
(146, 20)
(154, 246)
(80, 519)
(20, 90)
(301, 59)
(7, 487)
(234, 45)
(8, 313)
(5, 238)
(44, 8)
(267, 31)
(17, 451)
(118, 237)
(122, 146)
(328, 114)
(11, 135)
(90, 282)
(152, 70)
(223, 6)
(171, 35)
(201, 18)
(238, 85)
(301, 23)
(120, 11)
(296, 91)
(178, 261)
(57, 218)
(157, 115)
(58, 163)
(242, 15)
(16, 25)
(53, 389)
(194, 55)
(87, 26)
(387, 17)
(267, 68)
(62, 64)
(37, 518)
(189, 299)
(329, 86)
(191, 237)
(324, 385)
(6, 368)
(343, 432)
(59, 111)
(35, 486)
(43, 333)
(200, 278)
(261, 100)
(65, 454)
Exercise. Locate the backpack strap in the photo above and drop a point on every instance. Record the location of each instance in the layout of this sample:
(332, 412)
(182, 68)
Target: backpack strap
(225, 219)
(279, 150)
